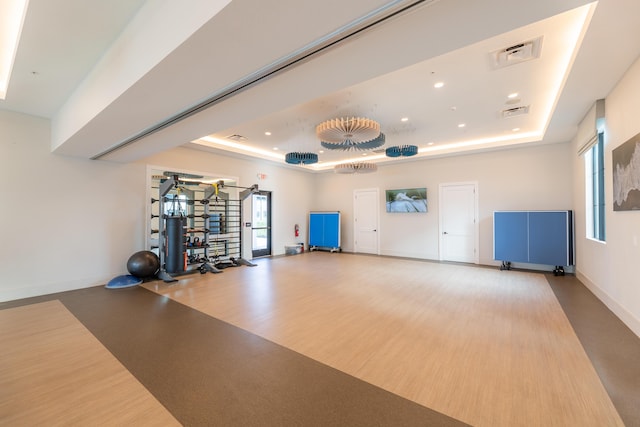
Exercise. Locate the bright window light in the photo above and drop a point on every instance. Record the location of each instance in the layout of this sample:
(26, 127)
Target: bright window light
(12, 13)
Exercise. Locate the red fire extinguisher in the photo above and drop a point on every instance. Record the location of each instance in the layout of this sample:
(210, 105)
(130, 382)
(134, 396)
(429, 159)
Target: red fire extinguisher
(297, 230)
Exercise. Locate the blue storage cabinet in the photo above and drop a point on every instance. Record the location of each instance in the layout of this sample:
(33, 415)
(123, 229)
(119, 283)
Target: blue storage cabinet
(324, 231)
(536, 237)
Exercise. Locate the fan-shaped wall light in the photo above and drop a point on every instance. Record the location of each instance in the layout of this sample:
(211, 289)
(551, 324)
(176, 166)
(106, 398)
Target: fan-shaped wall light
(297, 158)
(347, 144)
(357, 133)
(401, 150)
(355, 167)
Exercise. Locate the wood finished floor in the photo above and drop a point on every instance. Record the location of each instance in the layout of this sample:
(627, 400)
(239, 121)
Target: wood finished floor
(54, 372)
(206, 372)
(485, 347)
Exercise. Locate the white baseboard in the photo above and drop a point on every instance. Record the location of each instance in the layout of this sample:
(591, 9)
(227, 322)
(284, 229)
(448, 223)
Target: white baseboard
(12, 294)
(623, 314)
(402, 254)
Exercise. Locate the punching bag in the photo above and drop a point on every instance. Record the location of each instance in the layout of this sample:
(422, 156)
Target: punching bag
(176, 229)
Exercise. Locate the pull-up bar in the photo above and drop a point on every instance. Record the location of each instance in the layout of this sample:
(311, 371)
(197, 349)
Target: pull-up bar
(212, 189)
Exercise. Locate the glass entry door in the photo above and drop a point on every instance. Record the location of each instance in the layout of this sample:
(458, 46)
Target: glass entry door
(261, 224)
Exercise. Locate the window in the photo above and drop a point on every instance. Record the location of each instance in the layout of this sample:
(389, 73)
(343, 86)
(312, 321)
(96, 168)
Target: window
(175, 204)
(594, 171)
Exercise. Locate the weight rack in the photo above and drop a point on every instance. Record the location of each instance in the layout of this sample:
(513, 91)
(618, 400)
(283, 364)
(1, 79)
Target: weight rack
(200, 232)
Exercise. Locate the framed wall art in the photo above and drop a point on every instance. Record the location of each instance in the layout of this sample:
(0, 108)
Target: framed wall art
(626, 175)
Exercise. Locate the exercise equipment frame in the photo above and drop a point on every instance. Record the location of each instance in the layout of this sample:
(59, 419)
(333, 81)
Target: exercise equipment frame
(211, 197)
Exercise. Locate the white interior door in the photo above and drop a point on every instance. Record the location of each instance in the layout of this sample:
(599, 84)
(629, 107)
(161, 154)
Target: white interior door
(365, 221)
(458, 222)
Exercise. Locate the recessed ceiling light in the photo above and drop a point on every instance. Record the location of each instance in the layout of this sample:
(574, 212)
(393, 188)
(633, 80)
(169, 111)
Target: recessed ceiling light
(461, 125)
(404, 119)
(438, 85)
(320, 151)
(430, 143)
(515, 129)
(275, 148)
(365, 154)
(267, 133)
(512, 95)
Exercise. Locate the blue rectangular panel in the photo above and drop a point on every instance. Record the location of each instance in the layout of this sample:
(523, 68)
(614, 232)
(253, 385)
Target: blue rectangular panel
(332, 230)
(324, 230)
(316, 229)
(510, 240)
(215, 221)
(548, 238)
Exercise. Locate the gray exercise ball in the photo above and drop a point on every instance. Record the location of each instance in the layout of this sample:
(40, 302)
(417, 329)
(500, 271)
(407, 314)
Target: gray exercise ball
(143, 264)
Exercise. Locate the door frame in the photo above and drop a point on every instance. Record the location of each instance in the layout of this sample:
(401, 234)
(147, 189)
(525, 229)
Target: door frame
(476, 219)
(377, 211)
(269, 250)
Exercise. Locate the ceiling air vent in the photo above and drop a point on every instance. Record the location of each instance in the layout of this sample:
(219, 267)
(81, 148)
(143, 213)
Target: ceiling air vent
(513, 112)
(236, 137)
(516, 54)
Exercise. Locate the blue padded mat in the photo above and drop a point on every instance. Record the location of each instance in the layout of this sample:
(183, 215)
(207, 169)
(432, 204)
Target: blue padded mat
(124, 281)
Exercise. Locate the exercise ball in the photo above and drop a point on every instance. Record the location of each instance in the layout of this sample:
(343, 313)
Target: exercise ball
(143, 264)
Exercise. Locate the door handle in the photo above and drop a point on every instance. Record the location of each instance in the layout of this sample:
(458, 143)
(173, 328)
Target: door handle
(444, 232)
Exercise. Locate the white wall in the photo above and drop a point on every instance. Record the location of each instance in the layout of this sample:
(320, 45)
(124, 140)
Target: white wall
(65, 223)
(292, 190)
(527, 178)
(69, 223)
(609, 269)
